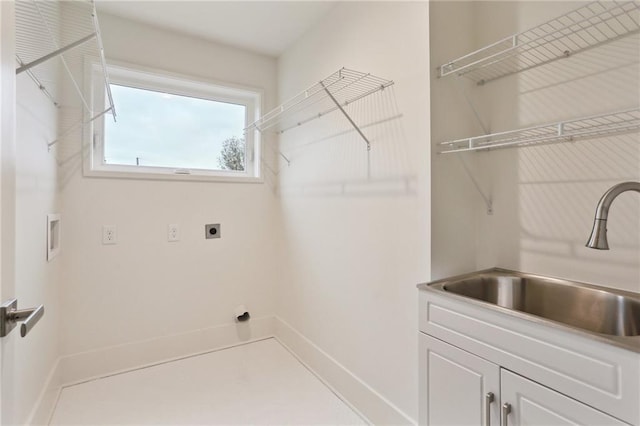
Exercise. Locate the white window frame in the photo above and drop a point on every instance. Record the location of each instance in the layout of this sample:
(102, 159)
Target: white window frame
(156, 80)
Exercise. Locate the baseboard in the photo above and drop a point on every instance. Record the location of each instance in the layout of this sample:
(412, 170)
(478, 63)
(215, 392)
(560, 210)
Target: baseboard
(46, 403)
(354, 391)
(86, 366)
(91, 365)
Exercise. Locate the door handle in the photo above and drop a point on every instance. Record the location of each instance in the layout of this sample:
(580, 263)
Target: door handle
(10, 315)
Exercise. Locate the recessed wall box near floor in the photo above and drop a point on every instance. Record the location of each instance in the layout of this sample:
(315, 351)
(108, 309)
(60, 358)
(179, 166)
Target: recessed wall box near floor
(212, 230)
(53, 235)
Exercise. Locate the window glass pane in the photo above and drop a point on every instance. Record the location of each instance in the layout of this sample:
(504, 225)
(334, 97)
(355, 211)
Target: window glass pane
(165, 130)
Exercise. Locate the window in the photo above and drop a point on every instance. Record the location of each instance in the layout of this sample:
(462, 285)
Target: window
(173, 127)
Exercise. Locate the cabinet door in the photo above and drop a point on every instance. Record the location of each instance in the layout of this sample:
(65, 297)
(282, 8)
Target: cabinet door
(454, 385)
(534, 405)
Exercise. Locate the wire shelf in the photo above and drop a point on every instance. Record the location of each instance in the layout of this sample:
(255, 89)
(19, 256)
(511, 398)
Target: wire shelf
(333, 93)
(583, 28)
(60, 35)
(565, 131)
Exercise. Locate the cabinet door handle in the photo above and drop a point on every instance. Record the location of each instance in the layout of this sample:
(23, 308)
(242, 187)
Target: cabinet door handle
(488, 399)
(506, 409)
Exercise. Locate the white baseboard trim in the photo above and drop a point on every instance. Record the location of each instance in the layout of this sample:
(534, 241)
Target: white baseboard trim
(48, 398)
(363, 399)
(92, 365)
(95, 364)
(86, 366)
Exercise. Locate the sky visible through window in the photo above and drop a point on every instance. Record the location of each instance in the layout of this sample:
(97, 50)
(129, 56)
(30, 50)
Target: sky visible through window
(165, 130)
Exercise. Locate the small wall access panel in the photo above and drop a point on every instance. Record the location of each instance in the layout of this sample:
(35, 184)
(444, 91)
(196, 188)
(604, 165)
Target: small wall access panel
(53, 235)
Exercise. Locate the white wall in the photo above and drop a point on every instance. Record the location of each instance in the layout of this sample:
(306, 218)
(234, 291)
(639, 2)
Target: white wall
(545, 197)
(456, 202)
(356, 229)
(7, 198)
(145, 287)
(37, 280)
(26, 273)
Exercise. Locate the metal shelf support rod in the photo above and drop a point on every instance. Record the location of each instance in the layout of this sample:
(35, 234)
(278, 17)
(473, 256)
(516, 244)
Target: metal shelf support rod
(55, 53)
(78, 124)
(488, 201)
(60, 53)
(355, 126)
(41, 86)
(285, 158)
(476, 114)
(105, 74)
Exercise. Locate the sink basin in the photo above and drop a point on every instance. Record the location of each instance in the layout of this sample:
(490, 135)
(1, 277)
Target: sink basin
(587, 307)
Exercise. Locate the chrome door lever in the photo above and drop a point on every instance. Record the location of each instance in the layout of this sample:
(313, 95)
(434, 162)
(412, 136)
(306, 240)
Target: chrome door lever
(10, 315)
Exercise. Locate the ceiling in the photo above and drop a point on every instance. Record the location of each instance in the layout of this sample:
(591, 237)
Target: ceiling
(266, 27)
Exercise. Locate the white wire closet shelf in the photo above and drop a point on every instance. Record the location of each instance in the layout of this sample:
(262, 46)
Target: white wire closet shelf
(564, 131)
(60, 35)
(583, 28)
(335, 92)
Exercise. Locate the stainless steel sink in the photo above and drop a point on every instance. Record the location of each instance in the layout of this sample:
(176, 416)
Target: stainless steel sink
(594, 309)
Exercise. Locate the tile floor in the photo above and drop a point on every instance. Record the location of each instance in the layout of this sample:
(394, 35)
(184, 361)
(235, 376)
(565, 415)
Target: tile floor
(259, 383)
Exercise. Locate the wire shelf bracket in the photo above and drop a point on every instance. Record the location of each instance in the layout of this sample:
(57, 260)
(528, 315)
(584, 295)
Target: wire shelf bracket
(355, 126)
(487, 199)
(581, 29)
(335, 92)
(54, 29)
(75, 126)
(626, 121)
(55, 53)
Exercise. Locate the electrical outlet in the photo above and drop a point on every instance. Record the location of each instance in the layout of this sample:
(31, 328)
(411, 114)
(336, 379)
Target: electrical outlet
(173, 233)
(109, 234)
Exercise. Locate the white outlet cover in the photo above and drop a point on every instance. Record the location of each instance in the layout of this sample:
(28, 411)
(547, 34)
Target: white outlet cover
(173, 233)
(109, 234)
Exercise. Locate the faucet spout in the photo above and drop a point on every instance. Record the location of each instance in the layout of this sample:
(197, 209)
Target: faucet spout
(598, 237)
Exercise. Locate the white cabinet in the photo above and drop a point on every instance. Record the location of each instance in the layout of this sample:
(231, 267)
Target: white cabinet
(597, 375)
(532, 404)
(459, 388)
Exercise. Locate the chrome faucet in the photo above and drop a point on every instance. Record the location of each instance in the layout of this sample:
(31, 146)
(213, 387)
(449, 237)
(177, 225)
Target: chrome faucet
(598, 238)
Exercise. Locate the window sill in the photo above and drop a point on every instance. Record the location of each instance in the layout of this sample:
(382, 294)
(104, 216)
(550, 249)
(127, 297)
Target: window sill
(145, 175)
